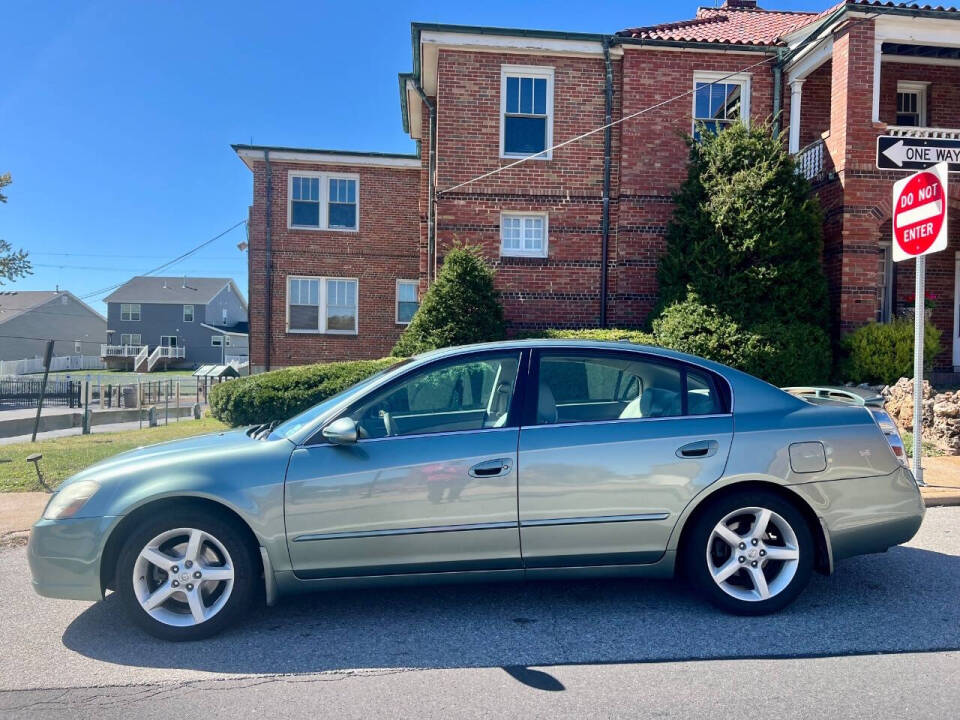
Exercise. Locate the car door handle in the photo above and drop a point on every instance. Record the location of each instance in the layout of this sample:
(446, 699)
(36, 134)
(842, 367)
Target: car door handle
(491, 468)
(699, 449)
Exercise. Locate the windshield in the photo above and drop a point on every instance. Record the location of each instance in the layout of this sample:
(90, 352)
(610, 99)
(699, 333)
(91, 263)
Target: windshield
(297, 422)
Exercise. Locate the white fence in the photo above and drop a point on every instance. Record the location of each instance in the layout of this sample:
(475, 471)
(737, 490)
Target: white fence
(63, 362)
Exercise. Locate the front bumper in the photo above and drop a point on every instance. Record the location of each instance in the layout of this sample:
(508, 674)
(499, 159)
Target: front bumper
(866, 515)
(64, 556)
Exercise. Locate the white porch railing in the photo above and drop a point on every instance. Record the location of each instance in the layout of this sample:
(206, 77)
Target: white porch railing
(120, 350)
(141, 358)
(165, 352)
(810, 160)
(923, 132)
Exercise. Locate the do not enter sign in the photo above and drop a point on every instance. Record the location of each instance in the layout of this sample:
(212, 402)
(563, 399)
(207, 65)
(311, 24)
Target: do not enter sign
(920, 213)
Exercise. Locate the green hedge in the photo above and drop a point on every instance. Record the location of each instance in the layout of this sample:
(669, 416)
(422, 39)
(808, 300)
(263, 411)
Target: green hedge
(281, 394)
(883, 353)
(792, 354)
(598, 334)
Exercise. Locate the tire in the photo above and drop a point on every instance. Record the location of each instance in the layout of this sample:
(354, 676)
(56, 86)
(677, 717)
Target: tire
(738, 588)
(153, 569)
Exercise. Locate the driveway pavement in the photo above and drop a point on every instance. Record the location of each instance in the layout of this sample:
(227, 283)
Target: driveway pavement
(880, 638)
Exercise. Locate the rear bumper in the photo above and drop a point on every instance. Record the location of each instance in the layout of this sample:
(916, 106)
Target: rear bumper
(64, 557)
(866, 515)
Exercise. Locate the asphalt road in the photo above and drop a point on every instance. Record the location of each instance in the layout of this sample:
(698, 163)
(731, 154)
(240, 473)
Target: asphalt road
(881, 638)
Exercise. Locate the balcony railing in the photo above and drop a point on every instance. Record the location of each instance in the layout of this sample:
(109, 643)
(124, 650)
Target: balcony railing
(923, 132)
(120, 350)
(810, 160)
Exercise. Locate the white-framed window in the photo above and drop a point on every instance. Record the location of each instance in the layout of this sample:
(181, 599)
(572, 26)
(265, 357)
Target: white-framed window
(526, 110)
(323, 201)
(720, 99)
(912, 104)
(188, 313)
(216, 340)
(130, 312)
(130, 339)
(77, 347)
(523, 234)
(169, 341)
(407, 300)
(321, 305)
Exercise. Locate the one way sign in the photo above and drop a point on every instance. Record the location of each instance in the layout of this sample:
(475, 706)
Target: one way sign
(908, 153)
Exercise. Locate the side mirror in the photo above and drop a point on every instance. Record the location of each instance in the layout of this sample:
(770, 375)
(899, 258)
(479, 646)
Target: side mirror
(341, 432)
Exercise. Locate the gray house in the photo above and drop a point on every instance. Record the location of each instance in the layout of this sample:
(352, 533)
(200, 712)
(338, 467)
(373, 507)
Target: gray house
(28, 318)
(180, 322)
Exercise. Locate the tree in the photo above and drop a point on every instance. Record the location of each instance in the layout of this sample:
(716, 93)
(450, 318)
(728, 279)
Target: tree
(13, 264)
(746, 233)
(741, 281)
(461, 307)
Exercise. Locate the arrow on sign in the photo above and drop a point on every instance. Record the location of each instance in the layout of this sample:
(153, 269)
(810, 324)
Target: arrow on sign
(897, 153)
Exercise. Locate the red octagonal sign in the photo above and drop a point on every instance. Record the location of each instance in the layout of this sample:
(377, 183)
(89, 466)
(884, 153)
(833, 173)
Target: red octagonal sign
(920, 213)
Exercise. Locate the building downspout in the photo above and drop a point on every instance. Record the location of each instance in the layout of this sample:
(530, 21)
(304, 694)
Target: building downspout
(607, 151)
(777, 93)
(431, 168)
(268, 216)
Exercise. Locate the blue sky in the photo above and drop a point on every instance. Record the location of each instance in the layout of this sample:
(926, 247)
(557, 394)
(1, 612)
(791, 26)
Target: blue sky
(116, 118)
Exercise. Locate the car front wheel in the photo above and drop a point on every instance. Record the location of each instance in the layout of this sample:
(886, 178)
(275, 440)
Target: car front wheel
(750, 553)
(186, 575)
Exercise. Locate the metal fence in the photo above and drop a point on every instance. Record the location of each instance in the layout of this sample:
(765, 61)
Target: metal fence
(20, 393)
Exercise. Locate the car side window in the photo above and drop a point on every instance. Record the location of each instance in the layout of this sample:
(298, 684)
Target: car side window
(463, 394)
(588, 388)
(703, 397)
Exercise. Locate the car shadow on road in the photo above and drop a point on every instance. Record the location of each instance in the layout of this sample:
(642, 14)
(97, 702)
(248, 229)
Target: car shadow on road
(903, 600)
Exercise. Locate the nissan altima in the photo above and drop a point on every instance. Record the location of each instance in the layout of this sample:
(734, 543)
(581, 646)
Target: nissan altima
(512, 460)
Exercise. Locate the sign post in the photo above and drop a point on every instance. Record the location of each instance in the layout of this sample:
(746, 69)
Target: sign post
(920, 228)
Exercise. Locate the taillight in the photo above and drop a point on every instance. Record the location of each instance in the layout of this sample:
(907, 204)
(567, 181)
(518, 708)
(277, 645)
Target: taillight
(897, 450)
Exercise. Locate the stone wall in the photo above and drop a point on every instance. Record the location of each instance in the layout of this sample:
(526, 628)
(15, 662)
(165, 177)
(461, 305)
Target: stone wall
(941, 413)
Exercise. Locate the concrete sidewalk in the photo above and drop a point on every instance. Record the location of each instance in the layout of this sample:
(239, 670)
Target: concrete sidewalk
(942, 478)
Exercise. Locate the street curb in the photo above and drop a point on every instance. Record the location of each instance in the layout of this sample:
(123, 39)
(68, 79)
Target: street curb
(937, 500)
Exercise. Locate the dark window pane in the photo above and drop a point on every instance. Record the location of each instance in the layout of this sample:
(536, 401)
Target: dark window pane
(341, 320)
(524, 135)
(526, 95)
(908, 120)
(732, 102)
(702, 395)
(306, 213)
(406, 310)
(343, 215)
(304, 317)
(717, 98)
(703, 100)
(540, 96)
(513, 94)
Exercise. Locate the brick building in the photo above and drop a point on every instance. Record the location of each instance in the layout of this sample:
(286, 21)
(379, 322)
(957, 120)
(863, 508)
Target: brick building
(576, 232)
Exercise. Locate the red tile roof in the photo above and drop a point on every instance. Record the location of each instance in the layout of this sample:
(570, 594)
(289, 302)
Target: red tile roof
(752, 26)
(736, 26)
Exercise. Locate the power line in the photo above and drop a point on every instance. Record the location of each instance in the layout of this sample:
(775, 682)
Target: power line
(165, 265)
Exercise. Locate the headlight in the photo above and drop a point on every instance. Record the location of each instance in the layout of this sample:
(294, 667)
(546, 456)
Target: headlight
(67, 502)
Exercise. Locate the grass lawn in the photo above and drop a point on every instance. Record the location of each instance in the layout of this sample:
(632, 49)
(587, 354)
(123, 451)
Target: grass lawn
(65, 456)
(929, 449)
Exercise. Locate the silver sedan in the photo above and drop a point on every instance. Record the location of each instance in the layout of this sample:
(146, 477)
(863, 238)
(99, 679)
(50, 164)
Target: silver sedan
(506, 461)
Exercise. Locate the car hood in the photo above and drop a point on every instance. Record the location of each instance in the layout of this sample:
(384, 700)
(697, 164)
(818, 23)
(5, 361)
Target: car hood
(187, 449)
(213, 465)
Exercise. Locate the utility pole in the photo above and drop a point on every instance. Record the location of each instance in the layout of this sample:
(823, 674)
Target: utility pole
(43, 388)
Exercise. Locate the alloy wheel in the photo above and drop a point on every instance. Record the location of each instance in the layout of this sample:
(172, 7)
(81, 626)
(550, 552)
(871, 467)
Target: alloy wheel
(183, 577)
(753, 554)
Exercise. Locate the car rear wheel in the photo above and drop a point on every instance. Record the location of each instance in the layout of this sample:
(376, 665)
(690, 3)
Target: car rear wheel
(750, 553)
(186, 575)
